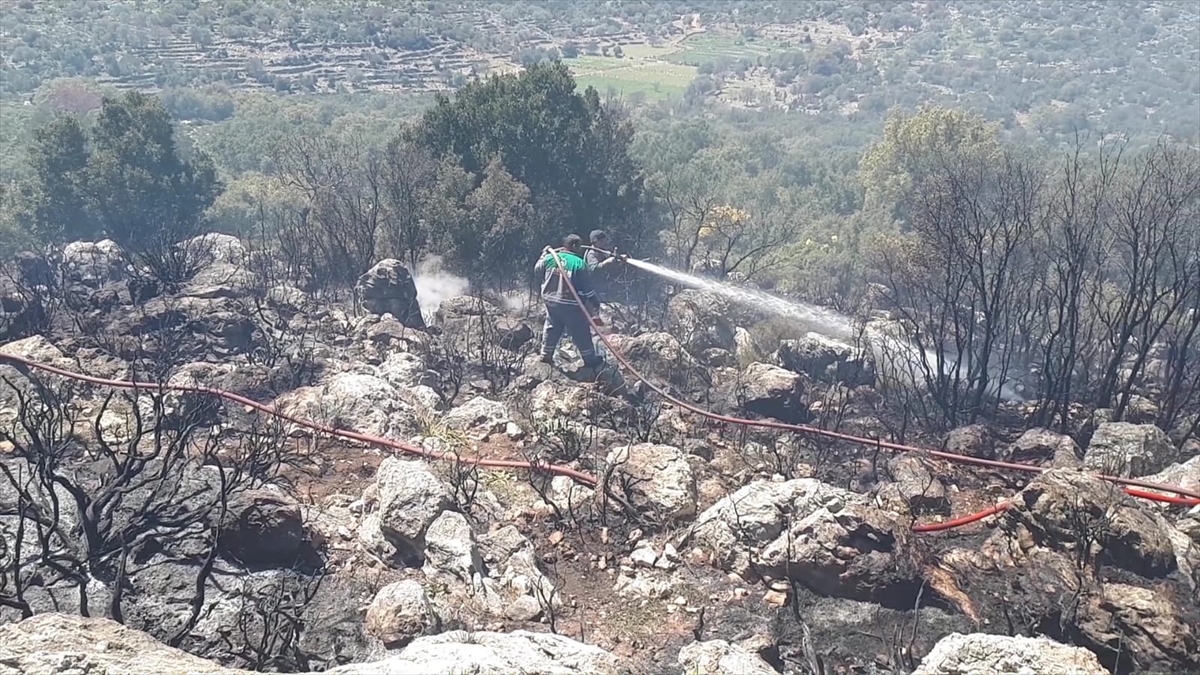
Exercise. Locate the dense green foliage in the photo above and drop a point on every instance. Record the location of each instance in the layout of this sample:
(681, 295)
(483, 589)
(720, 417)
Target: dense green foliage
(119, 176)
(571, 152)
(1042, 66)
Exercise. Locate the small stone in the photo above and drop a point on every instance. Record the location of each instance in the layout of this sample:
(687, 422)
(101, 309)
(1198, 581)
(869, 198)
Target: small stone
(344, 532)
(524, 608)
(556, 538)
(514, 431)
(670, 553)
(680, 600)
(775, 599)
(635, 535)
(643, 556)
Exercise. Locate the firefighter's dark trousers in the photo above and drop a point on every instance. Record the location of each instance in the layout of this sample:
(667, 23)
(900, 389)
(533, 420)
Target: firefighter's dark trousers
(569, 318)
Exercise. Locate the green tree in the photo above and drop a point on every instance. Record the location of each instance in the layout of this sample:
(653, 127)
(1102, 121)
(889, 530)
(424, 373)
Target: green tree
(59, 162)
(922, 147)
(122, 178)
(142, 189)
(569, 149)
(489, 244)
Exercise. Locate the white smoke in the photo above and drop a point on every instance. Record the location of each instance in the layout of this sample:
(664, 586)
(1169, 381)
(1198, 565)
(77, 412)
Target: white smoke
(434, 285)
(515, 301)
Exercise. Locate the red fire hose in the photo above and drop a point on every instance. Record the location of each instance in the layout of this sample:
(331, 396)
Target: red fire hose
(1188, 498)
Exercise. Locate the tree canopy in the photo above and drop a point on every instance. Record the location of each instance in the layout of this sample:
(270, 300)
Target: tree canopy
(119, 176)
(570, 150)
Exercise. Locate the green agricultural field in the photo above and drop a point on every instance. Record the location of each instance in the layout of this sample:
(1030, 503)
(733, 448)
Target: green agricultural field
(656, 80)
(700, 49)
(662, 72)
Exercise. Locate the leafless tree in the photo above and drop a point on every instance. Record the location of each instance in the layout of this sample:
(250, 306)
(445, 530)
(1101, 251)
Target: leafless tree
(93, 495)
(1154, 274)
(410, 175)
(689, 200)
(343, 185)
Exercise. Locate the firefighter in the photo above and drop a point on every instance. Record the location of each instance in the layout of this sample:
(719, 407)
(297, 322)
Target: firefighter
(563, 312)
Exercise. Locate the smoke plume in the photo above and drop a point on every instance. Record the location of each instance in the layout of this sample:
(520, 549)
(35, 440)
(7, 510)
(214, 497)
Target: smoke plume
(434, 285)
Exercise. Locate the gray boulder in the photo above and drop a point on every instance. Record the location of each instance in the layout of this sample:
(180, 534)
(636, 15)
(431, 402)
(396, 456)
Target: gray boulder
(659, 355)
(835, 541)
(388, 288)
(1129, 450)
(1043, 447)
(94, 264)
(61, 644)
(410, 499)
(478, 414)
(358, 401)
(718, 657)
(826, 359)
(701, 320)
(656, 479)
(401, 612)
(267, 529)
(484, 653)
(771, 391)
(983, 654)
(916, 485)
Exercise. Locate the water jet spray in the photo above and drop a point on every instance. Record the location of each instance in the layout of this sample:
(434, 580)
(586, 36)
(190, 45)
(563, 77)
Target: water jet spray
(885, 348)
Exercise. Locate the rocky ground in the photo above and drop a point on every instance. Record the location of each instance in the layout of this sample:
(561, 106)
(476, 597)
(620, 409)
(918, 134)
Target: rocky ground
(254, 543)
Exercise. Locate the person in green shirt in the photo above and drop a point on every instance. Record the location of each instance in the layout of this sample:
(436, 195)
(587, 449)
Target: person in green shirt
(564, 314)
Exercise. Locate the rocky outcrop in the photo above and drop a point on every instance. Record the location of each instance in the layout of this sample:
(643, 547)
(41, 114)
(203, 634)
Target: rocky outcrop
(400, 613)
(770, 391)
(718, 657)
(357, 401)
(451, 549)
(94, 264)
(655, 479)
(832, 540)
(1044, 448)
(1063, 510)
(58, 644)
(826, 359)
(1152, 626)
(265, 529)
(916, 486)
(388, 288)
(485, 653)
(973, 440)
(1062, 520)
(410, 498)
(659, 355)
(982, 654)
(1130, 450)
(700, 320)
(479, 415)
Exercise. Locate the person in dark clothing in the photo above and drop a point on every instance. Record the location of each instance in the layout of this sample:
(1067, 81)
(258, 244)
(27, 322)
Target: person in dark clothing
(599, 258)
(563, 311)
